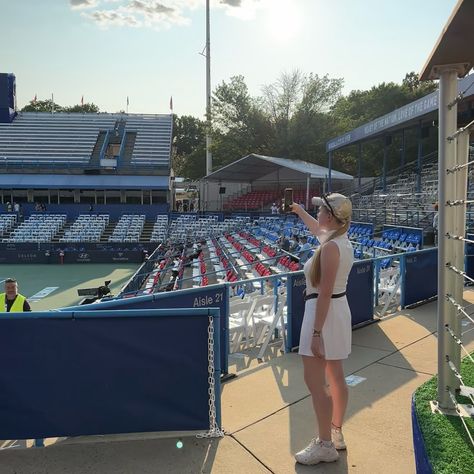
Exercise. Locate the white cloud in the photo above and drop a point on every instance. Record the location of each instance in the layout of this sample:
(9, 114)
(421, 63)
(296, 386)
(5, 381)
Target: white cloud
(159, 14)
(105, 18)
(77, 4)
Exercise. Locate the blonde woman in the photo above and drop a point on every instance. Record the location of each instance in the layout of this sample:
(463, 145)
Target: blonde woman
(326, 331)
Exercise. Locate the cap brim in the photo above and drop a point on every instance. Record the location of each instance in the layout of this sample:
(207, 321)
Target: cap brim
(317, 201)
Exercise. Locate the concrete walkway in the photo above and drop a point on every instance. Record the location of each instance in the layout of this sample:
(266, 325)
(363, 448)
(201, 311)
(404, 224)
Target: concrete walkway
(267, 415)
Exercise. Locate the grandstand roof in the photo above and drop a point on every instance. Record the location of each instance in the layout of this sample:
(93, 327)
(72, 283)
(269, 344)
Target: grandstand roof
(404, 117)
(253, 166)
(454, 46)
(37, 181)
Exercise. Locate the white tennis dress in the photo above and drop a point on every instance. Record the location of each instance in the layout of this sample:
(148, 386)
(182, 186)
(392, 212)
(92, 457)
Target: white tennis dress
(337, 329)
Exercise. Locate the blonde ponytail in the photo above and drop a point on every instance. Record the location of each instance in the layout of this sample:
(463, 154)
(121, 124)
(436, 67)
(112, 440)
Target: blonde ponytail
(316, 264)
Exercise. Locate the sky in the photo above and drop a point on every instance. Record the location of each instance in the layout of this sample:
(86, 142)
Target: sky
(148, 50)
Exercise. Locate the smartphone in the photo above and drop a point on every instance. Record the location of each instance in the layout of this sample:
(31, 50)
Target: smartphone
(288, 199)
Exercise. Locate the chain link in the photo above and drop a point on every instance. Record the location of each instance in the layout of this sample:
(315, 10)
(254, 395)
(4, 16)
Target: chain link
(214, 430)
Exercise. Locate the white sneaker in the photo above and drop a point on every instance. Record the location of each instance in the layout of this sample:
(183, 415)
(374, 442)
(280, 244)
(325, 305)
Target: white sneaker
(338, 439)
(316, 452)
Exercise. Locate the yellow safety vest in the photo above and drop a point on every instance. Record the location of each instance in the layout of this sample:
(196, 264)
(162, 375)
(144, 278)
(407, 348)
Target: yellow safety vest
(17, 306)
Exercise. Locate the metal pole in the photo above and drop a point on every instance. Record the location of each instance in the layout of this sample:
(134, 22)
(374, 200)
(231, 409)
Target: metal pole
(402, 151)
(446, 281)
(208, 91)
(360, 166)
(330, 172)
(308, 177)
(420, 155)
(384, 177)
(462, 156)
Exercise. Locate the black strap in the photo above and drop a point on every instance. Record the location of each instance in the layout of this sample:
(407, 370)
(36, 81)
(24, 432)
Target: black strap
(315, 295)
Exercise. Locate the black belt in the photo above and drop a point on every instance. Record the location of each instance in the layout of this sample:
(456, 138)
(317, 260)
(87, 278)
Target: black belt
(315, 295)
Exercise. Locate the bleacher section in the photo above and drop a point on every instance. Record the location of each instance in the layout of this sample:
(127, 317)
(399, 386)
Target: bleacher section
(160, 229)
(128, 229)
(38, 228)
(153, 142)
(263, 199)
(190, 227)
(7, 222)
(401, 203)
(63, 140)
(87, 228)
(252, 201)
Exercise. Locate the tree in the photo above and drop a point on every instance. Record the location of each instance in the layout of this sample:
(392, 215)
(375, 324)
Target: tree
(48, 106)
(240, 125)
(297, 105)
(42, 106)
(89, 108)
(189, 146)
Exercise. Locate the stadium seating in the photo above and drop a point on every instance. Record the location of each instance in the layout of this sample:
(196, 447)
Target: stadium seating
(153, 141)
(52, 138)
(160, 229)
(67, 139)
(7, 221)
(86, 228)
(38, 228)
(128, 229)
(252, 201)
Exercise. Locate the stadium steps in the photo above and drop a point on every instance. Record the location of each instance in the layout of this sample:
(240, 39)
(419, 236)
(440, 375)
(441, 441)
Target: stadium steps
(130, 140)
(61, 232)
(147, 231)
(95, 157)
(108, 231)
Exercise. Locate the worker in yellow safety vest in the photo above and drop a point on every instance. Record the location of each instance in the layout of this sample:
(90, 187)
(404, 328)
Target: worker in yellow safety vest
(11, 301)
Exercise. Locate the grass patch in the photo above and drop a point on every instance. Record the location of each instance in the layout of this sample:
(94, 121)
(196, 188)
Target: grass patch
(447, 444)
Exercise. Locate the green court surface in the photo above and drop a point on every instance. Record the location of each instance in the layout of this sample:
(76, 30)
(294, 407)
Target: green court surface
(32, 279)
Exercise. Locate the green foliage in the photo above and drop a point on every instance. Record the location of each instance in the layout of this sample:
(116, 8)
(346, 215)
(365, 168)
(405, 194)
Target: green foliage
(88, 108)
(447, 443)
(293, 118)
(42, 106)
(48, 106)
(189, 146)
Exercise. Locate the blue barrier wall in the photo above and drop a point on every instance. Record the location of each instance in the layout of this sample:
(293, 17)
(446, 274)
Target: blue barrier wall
(469, 257)
(360, 292)
(114, 210)
(360, 295)
(422, 462)
(420, 278)
(87, 252)
(216, 296)
(71, 374)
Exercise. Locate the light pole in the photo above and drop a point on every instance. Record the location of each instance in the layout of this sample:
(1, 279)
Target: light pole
(208, 91)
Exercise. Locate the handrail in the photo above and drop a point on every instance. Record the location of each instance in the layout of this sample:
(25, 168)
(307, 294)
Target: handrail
(122, 147)
(103, 149)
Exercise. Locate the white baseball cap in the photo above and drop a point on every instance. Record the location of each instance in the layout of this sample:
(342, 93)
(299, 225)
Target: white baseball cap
(337, 204)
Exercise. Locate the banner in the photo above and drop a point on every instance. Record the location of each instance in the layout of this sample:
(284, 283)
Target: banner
(421, 277)
(97, 373)
(216, 296)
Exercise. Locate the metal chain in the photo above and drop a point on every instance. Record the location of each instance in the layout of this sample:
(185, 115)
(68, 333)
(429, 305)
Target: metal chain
(214, 430)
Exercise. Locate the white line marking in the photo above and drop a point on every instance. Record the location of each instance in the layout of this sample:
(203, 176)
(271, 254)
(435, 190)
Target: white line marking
(43, 293)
